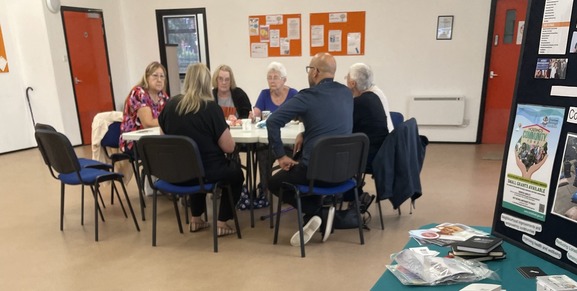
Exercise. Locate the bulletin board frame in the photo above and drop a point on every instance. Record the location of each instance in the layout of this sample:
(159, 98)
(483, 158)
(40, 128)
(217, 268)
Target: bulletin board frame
(3, 58)
(536, 198)
(343, 33)
(266, 30)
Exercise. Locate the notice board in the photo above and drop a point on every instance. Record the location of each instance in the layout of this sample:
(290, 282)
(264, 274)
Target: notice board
(536, 205)
(339, 33)
(3, 58)
(275, 35)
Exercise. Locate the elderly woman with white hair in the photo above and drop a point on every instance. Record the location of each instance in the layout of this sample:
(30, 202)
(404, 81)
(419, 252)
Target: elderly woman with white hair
(277, 93)
(369, 115)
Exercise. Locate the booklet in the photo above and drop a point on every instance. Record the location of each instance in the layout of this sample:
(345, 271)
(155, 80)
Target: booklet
(479, 244)
(445, 234)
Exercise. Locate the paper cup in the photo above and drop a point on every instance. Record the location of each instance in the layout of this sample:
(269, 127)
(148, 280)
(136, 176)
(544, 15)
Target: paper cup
(247, 124)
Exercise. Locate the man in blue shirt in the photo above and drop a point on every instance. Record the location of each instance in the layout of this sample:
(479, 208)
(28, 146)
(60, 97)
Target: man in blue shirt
(326, 108)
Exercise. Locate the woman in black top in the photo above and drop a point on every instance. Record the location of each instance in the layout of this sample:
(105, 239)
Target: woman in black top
(196, 115)
(232, 99)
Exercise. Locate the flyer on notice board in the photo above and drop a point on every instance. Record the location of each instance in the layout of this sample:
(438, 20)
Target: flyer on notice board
(530, 159)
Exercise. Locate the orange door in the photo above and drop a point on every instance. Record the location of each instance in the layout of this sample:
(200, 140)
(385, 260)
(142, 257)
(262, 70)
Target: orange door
(505, 50)
(89, 67)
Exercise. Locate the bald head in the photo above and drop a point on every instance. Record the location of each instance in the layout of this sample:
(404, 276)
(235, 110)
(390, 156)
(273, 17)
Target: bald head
(325, 65)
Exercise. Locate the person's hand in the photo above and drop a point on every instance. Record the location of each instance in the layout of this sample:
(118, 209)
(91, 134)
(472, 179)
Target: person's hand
(527, 173)
(231, 117)
(298, 143)
(286, 163)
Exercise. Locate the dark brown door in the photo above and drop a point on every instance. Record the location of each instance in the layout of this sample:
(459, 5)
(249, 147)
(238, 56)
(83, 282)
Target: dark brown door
(505, 50)
(89, 67)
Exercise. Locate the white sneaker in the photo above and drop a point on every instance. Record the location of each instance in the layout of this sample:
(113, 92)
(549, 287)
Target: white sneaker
(308, 231)
(329, 224)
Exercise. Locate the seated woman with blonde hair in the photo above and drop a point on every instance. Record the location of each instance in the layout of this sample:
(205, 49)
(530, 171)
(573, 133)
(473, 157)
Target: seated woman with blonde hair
(196, 114)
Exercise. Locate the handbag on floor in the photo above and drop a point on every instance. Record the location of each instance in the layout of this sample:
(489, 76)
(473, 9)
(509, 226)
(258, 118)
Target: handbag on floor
(258, 202)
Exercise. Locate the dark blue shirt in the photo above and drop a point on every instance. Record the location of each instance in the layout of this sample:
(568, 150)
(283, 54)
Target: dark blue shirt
(325, 109)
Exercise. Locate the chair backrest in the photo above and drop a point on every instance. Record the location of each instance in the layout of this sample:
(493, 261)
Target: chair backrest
(111, 138)
(172, 158)
(57, 151)
(47, 127)
(397, 118)
(335, 159)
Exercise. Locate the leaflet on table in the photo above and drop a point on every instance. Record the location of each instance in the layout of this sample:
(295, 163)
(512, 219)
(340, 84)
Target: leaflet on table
(530, 159)
(445, 234)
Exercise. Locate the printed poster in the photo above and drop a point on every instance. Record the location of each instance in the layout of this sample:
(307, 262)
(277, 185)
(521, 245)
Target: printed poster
(555, 28)
(253, 26)
(530, 159)
(3, 57)
(551, 68)
(564, 204)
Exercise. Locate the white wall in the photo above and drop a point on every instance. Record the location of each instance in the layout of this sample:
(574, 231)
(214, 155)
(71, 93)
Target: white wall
(400, 46)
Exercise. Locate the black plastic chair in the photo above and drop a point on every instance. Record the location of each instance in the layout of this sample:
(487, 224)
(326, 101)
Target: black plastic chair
(339, 160)
(61, 158)
(84, 163)
(175, 160)
(109, 141)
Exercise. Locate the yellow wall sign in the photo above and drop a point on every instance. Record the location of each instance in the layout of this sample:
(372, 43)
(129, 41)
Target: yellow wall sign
(3, 58)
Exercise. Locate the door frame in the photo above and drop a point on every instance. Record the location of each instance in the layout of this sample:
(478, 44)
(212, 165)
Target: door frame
(160, 13)
(487, 69)
(86, 10)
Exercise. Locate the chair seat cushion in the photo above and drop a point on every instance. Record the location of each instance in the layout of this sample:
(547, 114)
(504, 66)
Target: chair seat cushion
(88, 175)
(89, 163)
(180, 189)
(333, 190)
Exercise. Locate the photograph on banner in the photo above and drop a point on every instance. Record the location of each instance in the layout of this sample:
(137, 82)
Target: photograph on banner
(551, 68)
(530, 159)
(565, 202)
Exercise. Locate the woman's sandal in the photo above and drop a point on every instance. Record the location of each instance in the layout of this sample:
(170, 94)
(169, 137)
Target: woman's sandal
(196, 226)
(222, 231)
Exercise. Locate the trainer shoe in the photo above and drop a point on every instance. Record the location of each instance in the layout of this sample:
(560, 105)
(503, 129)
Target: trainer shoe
(329, 223)
(308, 231)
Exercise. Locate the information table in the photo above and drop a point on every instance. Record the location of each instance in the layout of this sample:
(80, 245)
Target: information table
(511, 279)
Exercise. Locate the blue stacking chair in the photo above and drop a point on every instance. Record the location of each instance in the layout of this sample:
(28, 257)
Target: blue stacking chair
(109, 141)
(175, 160)
(60, 157)
(338, 160)
(84, 163)
(397, 118)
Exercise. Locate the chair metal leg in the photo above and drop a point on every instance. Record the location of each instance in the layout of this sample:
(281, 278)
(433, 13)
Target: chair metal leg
(128, 202)
(138, 178)
(277, 224)
(177, 214)
(113, 190)
(300, 221)
(96, 210)
(153, 218)
(358, 208)
(380, 213)
(99, 209)
(82, 207)
(62, 206)
(214, 218)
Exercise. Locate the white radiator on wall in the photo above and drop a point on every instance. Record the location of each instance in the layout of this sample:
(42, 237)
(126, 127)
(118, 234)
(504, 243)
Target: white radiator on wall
(437, 110)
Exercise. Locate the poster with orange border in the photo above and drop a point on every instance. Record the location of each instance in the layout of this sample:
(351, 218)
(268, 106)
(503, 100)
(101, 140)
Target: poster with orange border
(339, 33)
(3, 58)
(275, 35)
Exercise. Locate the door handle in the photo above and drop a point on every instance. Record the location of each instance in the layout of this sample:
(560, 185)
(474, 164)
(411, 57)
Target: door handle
(492, 74)
(77, 81)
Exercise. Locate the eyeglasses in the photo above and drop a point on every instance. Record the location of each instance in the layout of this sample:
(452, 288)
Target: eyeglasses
(308, 68)
(223, 80)
(158, 77)
(273, 78)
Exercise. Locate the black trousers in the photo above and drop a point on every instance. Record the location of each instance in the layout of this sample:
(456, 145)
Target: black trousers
(230, 173)
(311, 205)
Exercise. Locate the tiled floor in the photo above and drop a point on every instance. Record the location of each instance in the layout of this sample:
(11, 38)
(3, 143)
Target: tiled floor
(459, 185)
